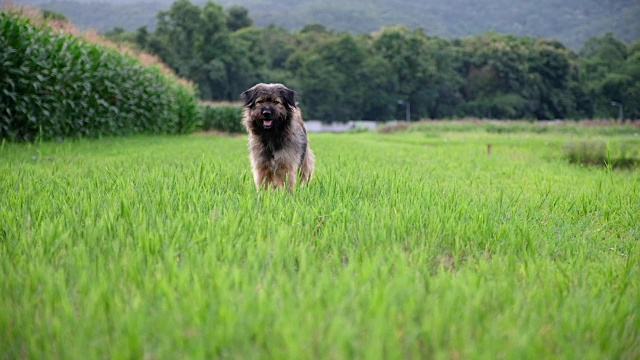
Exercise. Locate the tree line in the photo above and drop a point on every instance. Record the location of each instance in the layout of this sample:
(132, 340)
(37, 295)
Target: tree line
(342, 76)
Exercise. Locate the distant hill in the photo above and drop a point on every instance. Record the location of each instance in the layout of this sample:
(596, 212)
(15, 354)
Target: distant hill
(571, 22)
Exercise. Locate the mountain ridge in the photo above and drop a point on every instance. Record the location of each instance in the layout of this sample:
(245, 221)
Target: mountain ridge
(571, 23)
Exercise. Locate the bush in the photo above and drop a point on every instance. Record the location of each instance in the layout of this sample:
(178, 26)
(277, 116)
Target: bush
(225, 117)
(53, 15)
(586, 152)
(598, 153)
(53, 85)
(393, 127)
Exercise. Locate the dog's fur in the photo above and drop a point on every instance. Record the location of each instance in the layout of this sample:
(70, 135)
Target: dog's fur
(278, 144)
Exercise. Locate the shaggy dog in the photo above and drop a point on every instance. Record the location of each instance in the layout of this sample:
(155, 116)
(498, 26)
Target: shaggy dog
(278, 144)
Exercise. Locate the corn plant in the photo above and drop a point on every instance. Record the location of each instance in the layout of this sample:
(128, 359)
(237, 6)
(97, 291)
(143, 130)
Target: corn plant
(54, 85)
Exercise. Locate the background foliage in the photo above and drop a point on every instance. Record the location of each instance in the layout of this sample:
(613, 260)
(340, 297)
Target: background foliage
(571, 22)
(223, 117)
(342, 76)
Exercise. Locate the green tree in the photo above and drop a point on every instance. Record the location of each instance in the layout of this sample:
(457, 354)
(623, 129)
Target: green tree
(447, 82)
(552, 73)
(198, 44)
(278, 45)
(495, 72)
(120, 35)
(381, 89)
(246, 61)
(238, 18)
(509, 77)
(346, 56)
(180, 28)
(631, 94)
(413, 66)
(319, 87)
(315, 80)
(340, 76)
(606, 74)
(215, 49)
(141, 37)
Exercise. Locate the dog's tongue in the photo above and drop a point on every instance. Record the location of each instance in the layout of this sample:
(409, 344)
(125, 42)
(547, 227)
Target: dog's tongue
(267, 122)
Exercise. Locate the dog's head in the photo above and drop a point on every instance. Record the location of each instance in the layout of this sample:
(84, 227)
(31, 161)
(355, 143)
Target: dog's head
(268, 107)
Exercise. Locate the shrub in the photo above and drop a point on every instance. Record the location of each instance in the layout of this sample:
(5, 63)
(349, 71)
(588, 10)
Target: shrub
(598, 153)
(396, 126)
(225, 117)
(53, 15)
(54, 85)
(586, 152)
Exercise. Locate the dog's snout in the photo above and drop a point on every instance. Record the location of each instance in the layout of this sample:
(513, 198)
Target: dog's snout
(267, 112)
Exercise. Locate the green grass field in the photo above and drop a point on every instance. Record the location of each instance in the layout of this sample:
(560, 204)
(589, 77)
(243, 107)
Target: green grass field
(405, 245)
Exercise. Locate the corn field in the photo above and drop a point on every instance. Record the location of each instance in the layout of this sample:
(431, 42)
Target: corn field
(53, 86)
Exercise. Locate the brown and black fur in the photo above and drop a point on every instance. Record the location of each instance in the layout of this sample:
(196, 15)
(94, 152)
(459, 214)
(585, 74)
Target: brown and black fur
(278, 143)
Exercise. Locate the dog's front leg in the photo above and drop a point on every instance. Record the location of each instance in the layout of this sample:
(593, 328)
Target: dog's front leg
(291, 180)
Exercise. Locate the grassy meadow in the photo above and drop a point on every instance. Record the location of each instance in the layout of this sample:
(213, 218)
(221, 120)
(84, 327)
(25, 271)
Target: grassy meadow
(406, 245)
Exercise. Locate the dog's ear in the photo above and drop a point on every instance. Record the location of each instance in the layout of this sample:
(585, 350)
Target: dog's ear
(289, 96)
(249, 96)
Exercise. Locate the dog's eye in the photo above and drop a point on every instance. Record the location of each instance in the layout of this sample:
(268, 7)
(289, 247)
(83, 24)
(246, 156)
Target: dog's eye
(259, 101)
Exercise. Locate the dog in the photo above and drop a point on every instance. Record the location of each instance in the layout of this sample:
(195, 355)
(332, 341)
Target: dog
(278, 143)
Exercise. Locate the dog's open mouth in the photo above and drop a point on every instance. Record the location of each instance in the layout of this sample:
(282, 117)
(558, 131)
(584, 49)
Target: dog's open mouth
(267, 123)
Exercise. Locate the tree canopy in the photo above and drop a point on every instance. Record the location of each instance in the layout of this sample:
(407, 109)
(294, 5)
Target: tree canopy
(342, 76)
(572, 22)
